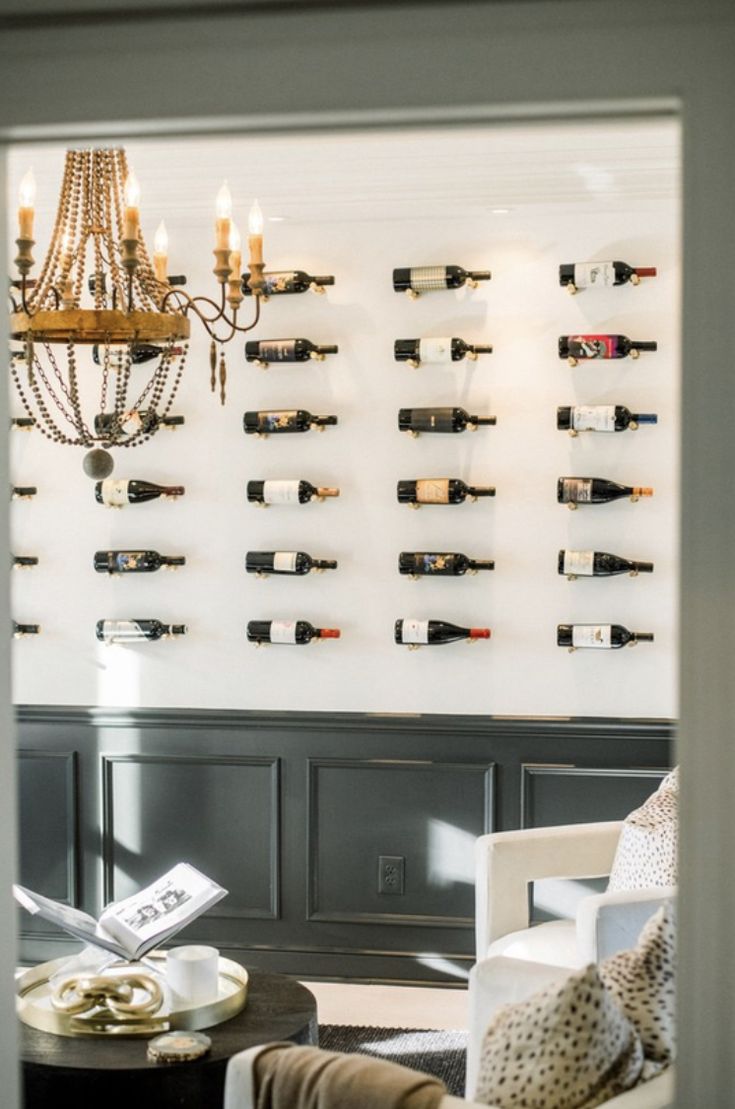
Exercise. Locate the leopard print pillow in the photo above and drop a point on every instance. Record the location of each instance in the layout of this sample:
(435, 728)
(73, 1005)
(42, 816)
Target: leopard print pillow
(646, 856)
(568, 1047)
(642, 983)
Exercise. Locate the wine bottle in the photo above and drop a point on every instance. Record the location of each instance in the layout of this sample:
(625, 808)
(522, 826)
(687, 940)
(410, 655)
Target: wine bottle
(434, 564)
(22, 492)
(22, 423)
(598, 564)
(414, 280)
(134, 562)
(138, 352)
(596, 275)
(116, 494)
(299, 632)
(263, 563)
(136, 631)
(416, 420)
(263, 351)
(437, 351)
(601, 417)
(440, 490)
(287, 492)
(578, 348)
(21, 630)
(596, 490)
(284, 421)
(108, 426)
(601, 636)
(22, 562)
(414, 633)
(276, 282)
(99, 280)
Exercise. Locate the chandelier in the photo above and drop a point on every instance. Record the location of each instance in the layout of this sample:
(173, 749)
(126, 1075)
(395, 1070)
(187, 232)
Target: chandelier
(99, 288)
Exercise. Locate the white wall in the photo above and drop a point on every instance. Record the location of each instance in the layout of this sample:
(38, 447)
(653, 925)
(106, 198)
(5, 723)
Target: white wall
(359, 206)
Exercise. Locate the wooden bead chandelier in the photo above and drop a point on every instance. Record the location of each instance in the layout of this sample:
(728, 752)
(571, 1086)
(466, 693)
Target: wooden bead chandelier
(98, 287)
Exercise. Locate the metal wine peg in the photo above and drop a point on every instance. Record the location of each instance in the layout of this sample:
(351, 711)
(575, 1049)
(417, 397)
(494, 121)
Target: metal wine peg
(633, 573)
(317, 498)
(260, 574)
(473, 500)
(473, 427)
(634, 279)
(414, 577)
(572, 433)
(413, 363)
(571, 650)
(634, 498)
(320, 427)
(413, 646)
(633, 425)
(261, 504)
(471, 283)
(635, 353)
(318, 289)
(414, 505)
(412, 433)
(411, 294)
(571, 289)
(572, 507)
(571, 577)
(261, 363)
(572, 361)
(472, 356)
(317, 355)
(473, 572)
(472, 642)
(633, 643)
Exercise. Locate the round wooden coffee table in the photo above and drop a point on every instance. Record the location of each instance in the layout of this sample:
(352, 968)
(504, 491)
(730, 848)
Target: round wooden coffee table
(113, 1073)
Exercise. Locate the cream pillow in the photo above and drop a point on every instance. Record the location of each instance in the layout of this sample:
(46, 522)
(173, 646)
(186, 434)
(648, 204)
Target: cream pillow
(567, 1047)
(642, 981)
(646, 856)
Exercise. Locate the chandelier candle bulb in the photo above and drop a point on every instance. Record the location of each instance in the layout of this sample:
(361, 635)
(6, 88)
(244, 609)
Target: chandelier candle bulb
(26, 211)
(131, 191)
(223, 207)
(160, 252)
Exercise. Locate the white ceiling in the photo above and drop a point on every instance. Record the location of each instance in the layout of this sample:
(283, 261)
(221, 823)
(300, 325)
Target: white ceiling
(401, 174)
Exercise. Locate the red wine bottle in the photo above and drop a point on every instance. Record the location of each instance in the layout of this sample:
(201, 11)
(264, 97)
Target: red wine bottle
(19, 631)
(598, 564)
(263, 351)
(22, 492)
(138, 352)
(601, 275)
(434, 564)
(285, 562)
(596, 490)
(414, 633)
(116, 494)
(136, 631)
(284, 421)
(276, 282)
(440, 490)
(134, 562)
(22, 562)
(22, 423)
(600, 636)
(297, 632)
(109, 426)
(437, 351)
(578, 348)
(416, 420)
(287, 492)
(423, 279)
(601, 417)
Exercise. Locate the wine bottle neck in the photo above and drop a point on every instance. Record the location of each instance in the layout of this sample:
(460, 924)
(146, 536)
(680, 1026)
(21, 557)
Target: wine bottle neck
(178, 629)
(483, 421)
(480, 490)
(480, 348)
(173, 491)
(644, 417)
(642, 491)
(481, 564)
(325, 491)
(643, 567)
(479, 633)
(480, 275)
(322, 279)
(640, 345)
(330, 348)
(642, 637)
(173, 560)
(323, 421)
(324, 564)
(327, 633)
(645, 271)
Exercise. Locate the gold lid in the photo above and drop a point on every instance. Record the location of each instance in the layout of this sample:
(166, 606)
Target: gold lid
(178, 1047)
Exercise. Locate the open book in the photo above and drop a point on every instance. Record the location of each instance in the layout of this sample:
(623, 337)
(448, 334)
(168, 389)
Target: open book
(132, 927)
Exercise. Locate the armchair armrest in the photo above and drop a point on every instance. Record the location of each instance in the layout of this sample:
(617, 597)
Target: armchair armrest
(612, 922)
(507, 861)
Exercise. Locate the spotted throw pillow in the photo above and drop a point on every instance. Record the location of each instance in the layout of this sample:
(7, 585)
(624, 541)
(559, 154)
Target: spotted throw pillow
(567, 1047)
(648, 844)
(642, 981)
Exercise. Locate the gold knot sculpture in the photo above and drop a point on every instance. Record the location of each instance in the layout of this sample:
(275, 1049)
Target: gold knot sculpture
(86, 993)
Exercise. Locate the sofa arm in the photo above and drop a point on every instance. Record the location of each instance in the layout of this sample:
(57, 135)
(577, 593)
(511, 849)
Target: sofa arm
(507, 861)
(612, 922)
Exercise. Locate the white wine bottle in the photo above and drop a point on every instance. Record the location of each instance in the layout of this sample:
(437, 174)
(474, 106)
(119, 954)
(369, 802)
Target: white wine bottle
(287, 492)
(296, 632)
(438, 352)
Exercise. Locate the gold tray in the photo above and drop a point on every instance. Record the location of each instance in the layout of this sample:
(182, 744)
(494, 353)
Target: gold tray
(33, 1005)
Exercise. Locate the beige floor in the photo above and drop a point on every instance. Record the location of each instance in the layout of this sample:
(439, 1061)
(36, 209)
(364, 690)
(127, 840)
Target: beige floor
(389, 1006)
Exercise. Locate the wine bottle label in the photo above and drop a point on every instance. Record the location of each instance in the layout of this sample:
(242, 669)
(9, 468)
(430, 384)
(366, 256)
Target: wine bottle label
(280, 282)
(591, 635)
(131, 422)
(425, 278)
(589, 275)
(122, 630)
(432, 490)
(431, 419)
(435, 350)
(593, 417)
(114, 493)
(576, 490)
(285, 562)
(438, 563)
(580, 563)
(415, 631)
(593, 346)
(281, 492)
(277, 421)
(278, 350)
(283, 631)
(129, 560)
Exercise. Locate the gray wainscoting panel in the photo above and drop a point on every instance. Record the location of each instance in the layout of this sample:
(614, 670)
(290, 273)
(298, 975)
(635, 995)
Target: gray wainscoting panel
(582, 794)
(219, 814)
(48, 832)
(426, 815)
